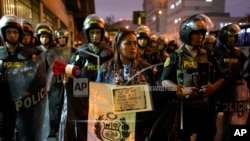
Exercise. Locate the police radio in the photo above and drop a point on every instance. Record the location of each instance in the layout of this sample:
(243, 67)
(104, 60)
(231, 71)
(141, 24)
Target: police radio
(61, 67)
(203, 73)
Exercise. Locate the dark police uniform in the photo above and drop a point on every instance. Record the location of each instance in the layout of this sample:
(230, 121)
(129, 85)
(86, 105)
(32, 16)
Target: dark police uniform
(198, 115)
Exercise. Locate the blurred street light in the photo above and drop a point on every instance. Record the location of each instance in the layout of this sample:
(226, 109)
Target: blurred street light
(159, 12)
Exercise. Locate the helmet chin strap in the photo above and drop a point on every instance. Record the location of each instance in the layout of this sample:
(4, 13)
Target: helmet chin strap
(96, 43)
(197, 46)
(11, 43)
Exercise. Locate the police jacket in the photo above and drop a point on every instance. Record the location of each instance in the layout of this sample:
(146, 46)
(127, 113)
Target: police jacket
(231, 61)
(23, 78)
(21, 54)
(180, 63)
(87, 59)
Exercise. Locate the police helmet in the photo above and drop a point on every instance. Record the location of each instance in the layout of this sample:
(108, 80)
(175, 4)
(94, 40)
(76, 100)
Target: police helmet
(231, 29)
(61, 33)
(153, 38)
(8, 21)
(142, 31)
(197, 22)
(28, 27)
(44, 28)
(172, 45)
(209, 39)
(93, 21)
(162, 42)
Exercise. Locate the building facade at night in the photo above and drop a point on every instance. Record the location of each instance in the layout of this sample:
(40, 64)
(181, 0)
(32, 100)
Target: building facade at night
(164, 16)
(67, 14)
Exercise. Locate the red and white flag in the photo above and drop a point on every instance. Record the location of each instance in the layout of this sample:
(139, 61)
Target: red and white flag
(106, 124)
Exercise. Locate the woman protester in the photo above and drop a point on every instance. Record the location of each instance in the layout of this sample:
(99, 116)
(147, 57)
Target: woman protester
(126, 68)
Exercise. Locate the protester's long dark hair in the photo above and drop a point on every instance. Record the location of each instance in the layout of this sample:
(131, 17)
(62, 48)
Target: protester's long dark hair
(122, 33)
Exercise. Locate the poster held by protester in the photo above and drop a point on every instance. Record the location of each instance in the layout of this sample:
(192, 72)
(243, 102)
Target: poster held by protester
(127, 99)
(103, 122)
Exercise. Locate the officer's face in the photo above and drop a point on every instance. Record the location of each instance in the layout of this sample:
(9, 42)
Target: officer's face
(44, 39)
(128, 48)
(26, 38)
(95, 35)
(196, 38)
(142, 42)
(12, 35)
(161, 46)
(154, 45)
(230, 40)
(209, 46)
(62, 40)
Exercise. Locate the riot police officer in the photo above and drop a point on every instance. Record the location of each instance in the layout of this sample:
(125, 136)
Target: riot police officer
(24, 100)
(209, 43)
(148, 54)
(88, 57)
(187, 69)
(143, 37)
(28, 33)
(162, 46)
(88, 54)
(63, 50)
(107, 39)
(44, 34)
(63, 53)
(234, 90)
(153, 42)
(172, 46)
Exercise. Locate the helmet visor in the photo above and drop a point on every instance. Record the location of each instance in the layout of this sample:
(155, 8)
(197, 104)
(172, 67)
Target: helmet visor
(200, 22)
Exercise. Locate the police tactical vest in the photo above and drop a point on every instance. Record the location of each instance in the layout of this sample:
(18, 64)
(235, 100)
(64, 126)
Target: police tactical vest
(187, 70)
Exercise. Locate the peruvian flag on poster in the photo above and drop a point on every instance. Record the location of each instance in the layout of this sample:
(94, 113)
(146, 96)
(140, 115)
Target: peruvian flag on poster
(109, 121)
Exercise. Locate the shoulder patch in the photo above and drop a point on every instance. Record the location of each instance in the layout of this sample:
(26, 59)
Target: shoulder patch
(167, 62)
(77, 57)
(179, 50)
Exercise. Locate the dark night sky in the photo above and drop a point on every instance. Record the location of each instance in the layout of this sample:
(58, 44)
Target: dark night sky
(238, 8)
(124, 8)
(118, 8)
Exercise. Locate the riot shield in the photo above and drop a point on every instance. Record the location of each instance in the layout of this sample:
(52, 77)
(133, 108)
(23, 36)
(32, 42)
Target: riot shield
(74, 117)
(27, 81)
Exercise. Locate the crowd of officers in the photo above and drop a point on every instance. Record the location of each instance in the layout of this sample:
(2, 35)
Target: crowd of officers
(210, 77)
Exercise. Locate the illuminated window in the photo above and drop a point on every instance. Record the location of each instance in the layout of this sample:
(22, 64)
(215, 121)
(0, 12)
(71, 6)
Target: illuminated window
(248, 30)
(172, 6)
(209, 0)
(153, 18)
(178, 3)
(242, 31)
(177, 20)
